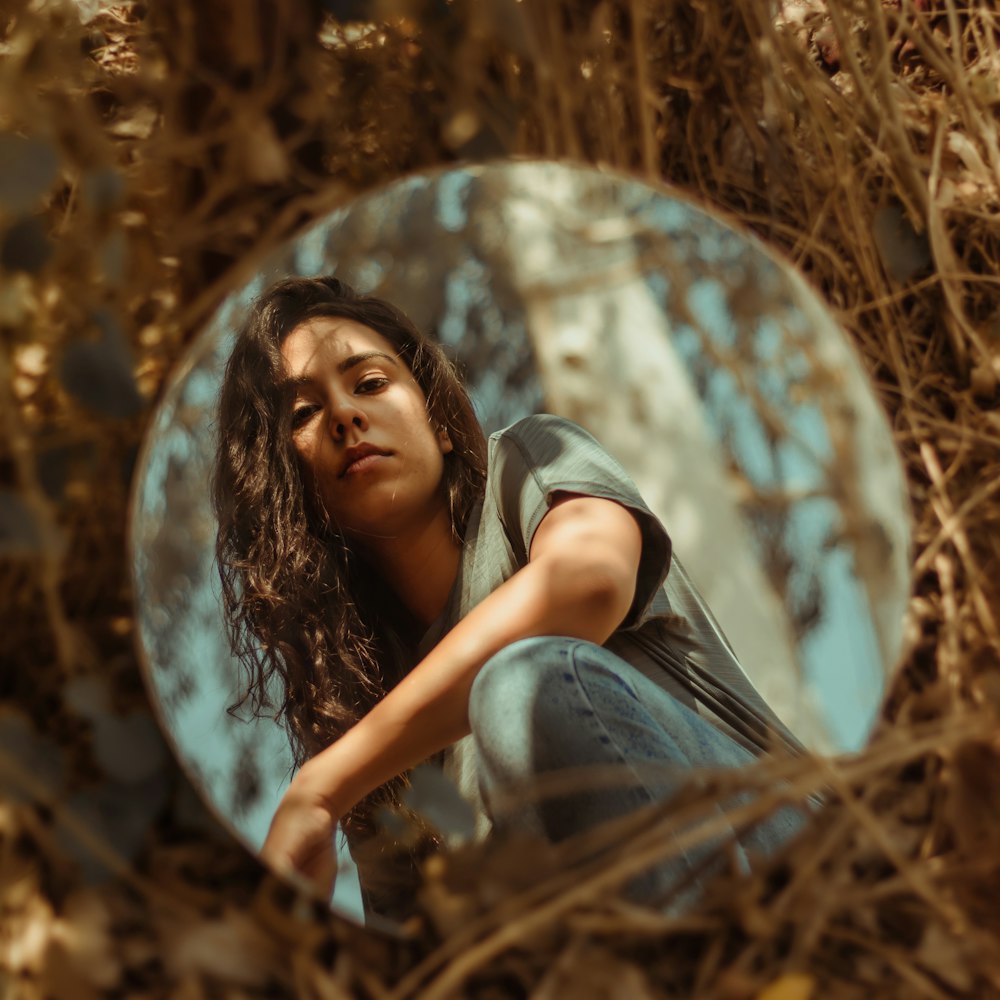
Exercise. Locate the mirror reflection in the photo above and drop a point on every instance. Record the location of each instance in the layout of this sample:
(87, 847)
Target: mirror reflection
(713, 511)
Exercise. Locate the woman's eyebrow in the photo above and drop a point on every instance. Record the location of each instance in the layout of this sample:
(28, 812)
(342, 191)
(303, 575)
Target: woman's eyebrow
(359, 359)
(298, 381)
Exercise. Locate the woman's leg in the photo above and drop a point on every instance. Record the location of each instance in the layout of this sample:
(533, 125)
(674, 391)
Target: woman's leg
(547, 704)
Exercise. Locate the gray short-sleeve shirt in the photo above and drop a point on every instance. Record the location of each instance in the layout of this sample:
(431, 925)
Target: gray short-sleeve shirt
(529, 463)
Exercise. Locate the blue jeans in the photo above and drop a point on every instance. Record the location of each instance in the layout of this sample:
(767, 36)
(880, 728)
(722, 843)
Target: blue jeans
(546, 704)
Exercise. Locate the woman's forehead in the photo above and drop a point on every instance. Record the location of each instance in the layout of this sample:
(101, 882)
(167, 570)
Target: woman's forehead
(331, 340)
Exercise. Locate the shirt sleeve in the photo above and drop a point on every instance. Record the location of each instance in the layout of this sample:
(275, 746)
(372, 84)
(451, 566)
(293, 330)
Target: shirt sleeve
(538, 457)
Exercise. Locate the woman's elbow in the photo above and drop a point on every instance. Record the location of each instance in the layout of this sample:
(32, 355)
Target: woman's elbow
(597, 593)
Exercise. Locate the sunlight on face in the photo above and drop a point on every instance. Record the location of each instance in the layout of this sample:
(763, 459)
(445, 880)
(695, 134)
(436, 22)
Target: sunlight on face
(361, 429)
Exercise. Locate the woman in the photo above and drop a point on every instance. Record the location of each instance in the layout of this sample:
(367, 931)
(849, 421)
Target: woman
(412, 589)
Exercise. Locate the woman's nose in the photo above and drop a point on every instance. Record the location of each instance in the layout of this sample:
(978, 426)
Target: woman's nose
(344, 416)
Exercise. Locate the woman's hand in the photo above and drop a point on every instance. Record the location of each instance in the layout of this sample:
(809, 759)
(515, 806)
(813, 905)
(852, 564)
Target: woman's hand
(301, 838)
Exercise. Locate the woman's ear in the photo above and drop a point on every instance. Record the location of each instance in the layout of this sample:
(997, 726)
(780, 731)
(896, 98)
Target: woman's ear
(444, 440)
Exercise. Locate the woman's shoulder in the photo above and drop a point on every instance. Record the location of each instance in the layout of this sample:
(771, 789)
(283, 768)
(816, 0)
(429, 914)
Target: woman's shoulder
(554, 453)
(543, 431)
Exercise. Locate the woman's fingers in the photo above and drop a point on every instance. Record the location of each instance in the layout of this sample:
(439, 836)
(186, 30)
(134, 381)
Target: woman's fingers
(301, 840)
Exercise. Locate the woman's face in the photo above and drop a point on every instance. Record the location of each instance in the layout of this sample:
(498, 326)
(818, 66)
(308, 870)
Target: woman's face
(361, 429)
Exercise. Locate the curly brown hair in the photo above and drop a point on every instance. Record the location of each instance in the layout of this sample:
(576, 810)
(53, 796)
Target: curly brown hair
(320, 638)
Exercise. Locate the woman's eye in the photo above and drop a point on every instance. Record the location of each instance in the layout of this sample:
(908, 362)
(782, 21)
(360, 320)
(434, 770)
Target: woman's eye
(302, 413)
(372, 383)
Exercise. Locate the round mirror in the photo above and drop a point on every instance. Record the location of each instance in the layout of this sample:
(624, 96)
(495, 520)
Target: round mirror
(701, 362)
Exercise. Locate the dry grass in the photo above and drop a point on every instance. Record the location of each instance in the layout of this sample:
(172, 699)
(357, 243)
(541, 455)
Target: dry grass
(859, 138)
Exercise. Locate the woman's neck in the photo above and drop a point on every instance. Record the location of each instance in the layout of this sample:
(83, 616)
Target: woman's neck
(421, 567)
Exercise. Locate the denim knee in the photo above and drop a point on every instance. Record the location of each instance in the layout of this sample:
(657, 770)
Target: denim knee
(511, 686)
(523, 703)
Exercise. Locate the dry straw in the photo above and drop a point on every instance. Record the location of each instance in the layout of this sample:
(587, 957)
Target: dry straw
(149, 158)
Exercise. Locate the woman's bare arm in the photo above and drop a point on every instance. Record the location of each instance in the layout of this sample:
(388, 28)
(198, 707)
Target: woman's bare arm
(580, 581)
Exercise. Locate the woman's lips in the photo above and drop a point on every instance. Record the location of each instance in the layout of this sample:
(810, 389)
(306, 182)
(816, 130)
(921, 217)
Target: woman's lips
(362, 464)
(356, 454)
